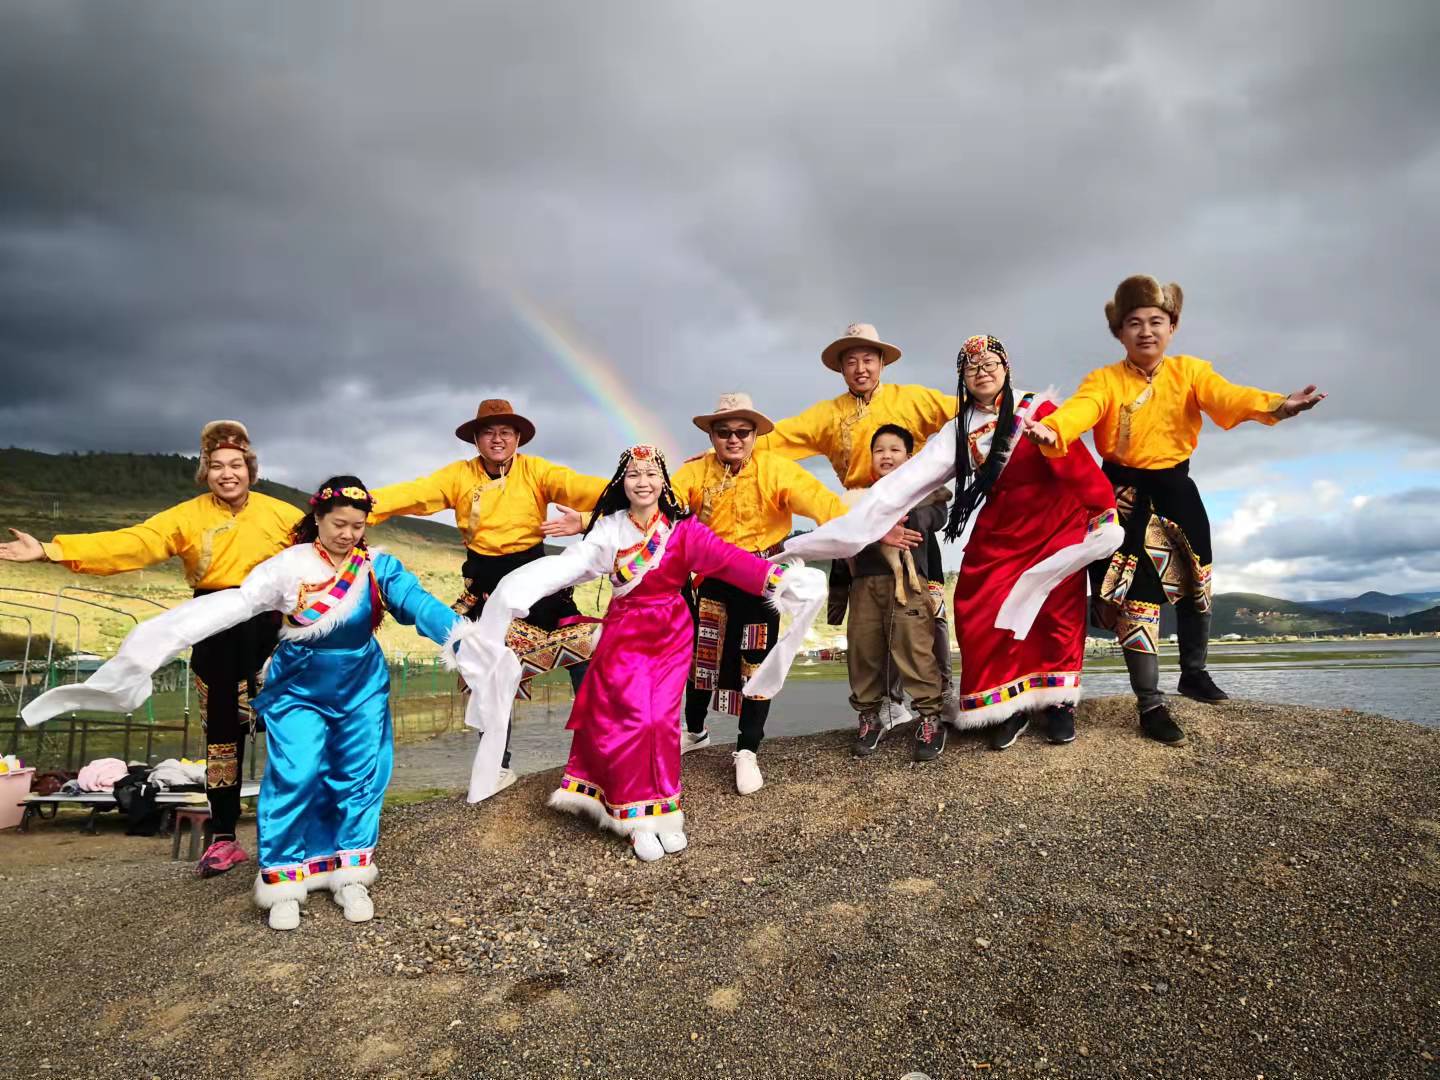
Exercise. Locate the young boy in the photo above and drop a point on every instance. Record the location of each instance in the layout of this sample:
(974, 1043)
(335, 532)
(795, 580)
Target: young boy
(891, 622)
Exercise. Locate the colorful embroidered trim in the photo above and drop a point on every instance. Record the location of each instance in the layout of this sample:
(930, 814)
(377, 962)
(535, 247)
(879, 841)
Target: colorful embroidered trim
(315, 609)
(354, 858)
(1010, 691)
(1105, 517)
(646, 808)
(755, 635)
(321, 866)
(281, 874)
(540, 651)
(636, 560)
(709, 638)
(727, 701)
(1138, 626)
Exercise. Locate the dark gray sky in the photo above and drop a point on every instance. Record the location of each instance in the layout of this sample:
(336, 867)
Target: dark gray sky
(337, 222)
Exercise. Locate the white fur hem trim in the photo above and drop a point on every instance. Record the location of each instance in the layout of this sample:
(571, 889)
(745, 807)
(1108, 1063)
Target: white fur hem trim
(317, 882)
(458, 633)
(352, 875)
(572, 802)
(267, 895)
(987, 715)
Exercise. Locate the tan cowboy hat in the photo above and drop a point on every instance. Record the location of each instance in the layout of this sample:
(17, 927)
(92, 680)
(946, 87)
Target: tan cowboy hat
(739, 406)
(495, 411)
(859, 333)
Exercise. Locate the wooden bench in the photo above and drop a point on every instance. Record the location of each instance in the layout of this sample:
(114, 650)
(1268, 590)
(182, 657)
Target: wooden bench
(101, 802)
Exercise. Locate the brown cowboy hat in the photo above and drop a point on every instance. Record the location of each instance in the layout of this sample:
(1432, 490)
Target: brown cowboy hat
(858, 334)
(740, 407)
(495, 411)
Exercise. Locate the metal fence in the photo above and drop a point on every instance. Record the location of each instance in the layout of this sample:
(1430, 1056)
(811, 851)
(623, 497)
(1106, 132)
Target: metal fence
(425, 698)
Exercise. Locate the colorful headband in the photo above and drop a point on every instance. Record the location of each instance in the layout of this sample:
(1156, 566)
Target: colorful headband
(359, 494)
(244, 448)
(978, 345)
(643, 452)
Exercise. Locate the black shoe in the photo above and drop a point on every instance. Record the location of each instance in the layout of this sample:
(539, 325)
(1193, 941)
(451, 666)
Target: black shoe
(929, 739)
(1005, 733)
(869, 735)
(1157, 724)
(1201, 687)
(1061, 727)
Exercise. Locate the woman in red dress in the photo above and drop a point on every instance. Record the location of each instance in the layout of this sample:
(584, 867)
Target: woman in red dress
(1020, 611)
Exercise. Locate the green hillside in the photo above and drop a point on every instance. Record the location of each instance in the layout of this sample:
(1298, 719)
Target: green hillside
(46, 494)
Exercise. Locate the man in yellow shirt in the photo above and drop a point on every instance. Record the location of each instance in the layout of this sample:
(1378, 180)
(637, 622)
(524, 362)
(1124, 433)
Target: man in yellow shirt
(219, 537)
(501, 498)
(841, 429)
(747, 498)
(1146, 412)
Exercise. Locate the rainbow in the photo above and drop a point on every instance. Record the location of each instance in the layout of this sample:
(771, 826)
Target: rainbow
(595, 375)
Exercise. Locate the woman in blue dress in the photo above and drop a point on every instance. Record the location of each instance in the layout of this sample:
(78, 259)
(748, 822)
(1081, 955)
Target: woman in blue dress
(326, 700)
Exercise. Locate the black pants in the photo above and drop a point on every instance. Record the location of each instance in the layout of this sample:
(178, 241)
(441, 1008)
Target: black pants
(482, 573)
(734, 632)
(227, 678)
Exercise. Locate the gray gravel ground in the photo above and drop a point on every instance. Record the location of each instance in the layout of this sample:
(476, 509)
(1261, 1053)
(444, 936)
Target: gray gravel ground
(1263, 901)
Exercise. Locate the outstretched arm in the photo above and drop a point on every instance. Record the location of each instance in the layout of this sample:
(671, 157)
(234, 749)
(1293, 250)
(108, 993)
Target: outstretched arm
(425, 495)
(411, 604)
(492, 670)
(152, 541)
(799, 437)
(122, 683)
(888, 501)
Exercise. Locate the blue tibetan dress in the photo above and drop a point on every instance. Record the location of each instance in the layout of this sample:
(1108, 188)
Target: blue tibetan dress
(326, 706)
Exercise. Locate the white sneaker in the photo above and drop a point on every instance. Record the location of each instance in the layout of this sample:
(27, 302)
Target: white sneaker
(747, 772)
(505, 778)
(355, 899)
(647, 845)
(285, 915)
(673, 842)
(894, 713)
(694, 741)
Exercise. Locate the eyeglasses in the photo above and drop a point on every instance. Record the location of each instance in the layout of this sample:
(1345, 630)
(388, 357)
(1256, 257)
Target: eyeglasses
(982, 367)
(726, 434)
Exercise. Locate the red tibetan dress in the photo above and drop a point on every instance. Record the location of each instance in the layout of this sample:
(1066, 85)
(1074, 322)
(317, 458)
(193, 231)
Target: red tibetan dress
(1038, 508)
(1042, 523)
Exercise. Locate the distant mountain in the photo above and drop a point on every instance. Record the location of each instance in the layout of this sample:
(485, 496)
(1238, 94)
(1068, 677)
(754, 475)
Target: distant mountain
(1422, 622)
(1428, 598)
(1376, 603)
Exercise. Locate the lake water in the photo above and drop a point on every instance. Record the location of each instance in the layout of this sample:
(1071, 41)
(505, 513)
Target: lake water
(1398, 678)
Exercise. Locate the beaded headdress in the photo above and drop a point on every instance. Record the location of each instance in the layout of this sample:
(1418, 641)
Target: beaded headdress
(978, 345)
(358, 494)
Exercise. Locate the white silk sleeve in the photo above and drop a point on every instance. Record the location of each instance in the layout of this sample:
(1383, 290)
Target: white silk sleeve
(490, 669)
(802, 593)
(889, 499)
(122, 683)
(1103, 537)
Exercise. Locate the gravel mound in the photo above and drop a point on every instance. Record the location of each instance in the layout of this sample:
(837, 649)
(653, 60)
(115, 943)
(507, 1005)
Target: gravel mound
(1261, 901)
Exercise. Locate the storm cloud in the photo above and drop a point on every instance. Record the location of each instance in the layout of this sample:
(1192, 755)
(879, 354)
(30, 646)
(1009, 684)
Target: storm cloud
(326, 218)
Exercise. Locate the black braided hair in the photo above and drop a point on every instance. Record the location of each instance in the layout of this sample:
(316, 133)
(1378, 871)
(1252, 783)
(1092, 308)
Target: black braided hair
(970, 492)
(613, 498)
(306, 531)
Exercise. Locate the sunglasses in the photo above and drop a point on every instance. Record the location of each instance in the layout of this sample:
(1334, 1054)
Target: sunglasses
(725, 434)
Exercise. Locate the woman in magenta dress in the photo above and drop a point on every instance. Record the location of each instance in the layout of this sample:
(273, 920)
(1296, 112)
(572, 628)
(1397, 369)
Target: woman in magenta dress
(1019, 606)
(624, 767)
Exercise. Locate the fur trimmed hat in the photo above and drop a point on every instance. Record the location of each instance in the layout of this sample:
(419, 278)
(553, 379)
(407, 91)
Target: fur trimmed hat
(1142, 290)
(226, 435)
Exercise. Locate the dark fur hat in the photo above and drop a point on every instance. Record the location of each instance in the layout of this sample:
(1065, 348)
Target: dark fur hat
(1142, 290)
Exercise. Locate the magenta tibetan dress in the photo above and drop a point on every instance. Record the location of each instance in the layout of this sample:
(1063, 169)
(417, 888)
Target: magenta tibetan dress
(625, 756)
(624, 767)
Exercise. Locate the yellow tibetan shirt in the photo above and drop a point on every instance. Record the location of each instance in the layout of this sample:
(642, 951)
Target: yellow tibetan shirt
(1155, 423)
(496, 515)
(841, 428)
(217, 545)
(752, 507)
